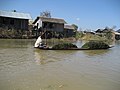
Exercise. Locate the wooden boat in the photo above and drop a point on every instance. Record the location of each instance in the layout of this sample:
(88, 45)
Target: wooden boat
(91, 45)
(48, 48)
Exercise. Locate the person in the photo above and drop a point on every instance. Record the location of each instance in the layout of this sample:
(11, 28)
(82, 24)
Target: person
(38, 42)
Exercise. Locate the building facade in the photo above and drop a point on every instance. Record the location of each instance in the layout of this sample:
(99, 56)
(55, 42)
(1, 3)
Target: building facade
(13, 19)
(69, 30)
(49, 24)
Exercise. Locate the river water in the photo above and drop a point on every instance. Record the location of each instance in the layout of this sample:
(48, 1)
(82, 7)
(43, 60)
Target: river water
(23, 67)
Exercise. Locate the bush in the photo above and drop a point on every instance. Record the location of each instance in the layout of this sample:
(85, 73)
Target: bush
(79, 35)
(95, 45)
(64, 46)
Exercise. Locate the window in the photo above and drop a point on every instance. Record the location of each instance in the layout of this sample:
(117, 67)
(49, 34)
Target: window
(51, 25)
(44, 25)
(4, 21)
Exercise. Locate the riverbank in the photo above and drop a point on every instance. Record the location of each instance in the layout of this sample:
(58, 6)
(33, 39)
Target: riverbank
(11, 33)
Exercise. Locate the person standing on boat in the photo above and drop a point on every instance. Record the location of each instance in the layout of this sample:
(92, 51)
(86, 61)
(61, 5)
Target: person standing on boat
(38, 42)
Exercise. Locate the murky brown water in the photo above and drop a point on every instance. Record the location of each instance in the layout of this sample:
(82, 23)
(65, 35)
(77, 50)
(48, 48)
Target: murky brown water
(23, 67)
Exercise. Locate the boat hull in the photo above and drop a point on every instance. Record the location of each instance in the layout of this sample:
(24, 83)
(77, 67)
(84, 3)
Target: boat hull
(70, 49)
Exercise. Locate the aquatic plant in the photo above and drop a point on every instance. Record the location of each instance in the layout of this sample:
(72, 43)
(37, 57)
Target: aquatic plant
(64, 46)
(95, 45)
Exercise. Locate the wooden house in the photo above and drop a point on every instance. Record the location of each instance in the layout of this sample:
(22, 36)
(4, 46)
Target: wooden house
(117, 34)
(69, 30)
(49, 24)
(13, 19)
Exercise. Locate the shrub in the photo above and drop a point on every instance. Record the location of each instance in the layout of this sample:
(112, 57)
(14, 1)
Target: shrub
(79, 35)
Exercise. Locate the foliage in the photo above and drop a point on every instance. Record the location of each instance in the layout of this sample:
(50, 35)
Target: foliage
(79, 35)
(64, 46)
(45, 14)
(93, 37)
(10, 33)
(95, 45)
(109, 35)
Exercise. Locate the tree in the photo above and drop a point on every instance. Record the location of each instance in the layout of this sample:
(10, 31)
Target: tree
(46, 14)
(75, 26)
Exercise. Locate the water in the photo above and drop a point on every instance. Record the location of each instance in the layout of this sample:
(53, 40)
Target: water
(23, 67)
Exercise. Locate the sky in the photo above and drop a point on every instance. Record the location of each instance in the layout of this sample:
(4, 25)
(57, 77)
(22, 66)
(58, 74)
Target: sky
(86, 14)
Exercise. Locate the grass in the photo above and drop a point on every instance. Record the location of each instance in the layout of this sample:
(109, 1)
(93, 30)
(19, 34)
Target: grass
(89, 37)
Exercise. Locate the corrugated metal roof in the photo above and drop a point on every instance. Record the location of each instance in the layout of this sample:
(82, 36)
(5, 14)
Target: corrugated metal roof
(13, 14)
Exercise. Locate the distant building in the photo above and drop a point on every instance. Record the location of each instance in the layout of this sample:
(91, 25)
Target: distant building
(69, 30)
(118, 31)
(99, 31)
(14, 19)
(117, 34)
(108, 33)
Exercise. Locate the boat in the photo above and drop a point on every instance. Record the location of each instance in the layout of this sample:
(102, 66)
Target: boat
(73, 47)
(91, 45)
(49, 48)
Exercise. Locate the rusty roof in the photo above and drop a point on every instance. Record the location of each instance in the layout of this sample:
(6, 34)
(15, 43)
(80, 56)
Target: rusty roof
(67, 26)
(52, 20)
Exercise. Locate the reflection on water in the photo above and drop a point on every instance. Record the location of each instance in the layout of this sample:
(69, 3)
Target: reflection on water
(44, 56)
(23, 67)
(96, 52)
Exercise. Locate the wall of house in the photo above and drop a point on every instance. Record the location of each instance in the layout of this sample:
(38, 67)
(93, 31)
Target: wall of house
(14, 23)
(38, 24)
(53, 26)
(68, 33)
(59, 27)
